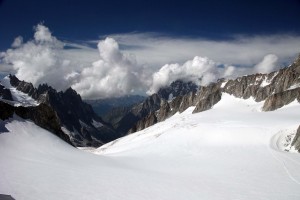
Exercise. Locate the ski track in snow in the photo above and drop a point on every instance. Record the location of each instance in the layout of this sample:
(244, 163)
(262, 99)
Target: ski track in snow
(229, 152)
(281, 161)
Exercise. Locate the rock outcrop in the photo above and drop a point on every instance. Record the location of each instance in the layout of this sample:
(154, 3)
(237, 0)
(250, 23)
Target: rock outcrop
(277, 89)
(85, 128)
(5, 93)
(177, 88)
(138, 112)
(42, 115)
(76, 118)
(155, 108)
(106, 108)
(296, 141)
(280, 99)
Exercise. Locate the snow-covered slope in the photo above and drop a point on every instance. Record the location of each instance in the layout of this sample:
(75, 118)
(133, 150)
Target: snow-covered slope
(231, 151)
(19, 98)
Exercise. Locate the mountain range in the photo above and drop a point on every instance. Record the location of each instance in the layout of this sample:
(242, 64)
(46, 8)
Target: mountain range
(231, 139)
(74, 120)
(71, 119)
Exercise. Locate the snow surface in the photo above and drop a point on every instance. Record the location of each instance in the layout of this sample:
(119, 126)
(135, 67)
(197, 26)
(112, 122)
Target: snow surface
(19, 98)
(232, 151)
(267, 81)
(297, 85)
(223, 84)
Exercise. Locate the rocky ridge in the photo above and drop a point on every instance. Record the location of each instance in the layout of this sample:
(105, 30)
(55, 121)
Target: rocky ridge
(42, 115)
(108, 106)
(138, 115)
(276, 89)
(78, 121)
(76, 118)
(296, 140)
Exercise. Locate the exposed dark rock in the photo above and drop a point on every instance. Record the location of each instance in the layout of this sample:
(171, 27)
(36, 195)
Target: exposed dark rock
(147, 121)
(277, 88)
(42, 115)
(73, 114)
(158, 107)
(177, 88)
(164, 112)
(208, 102)
(105, 107)
(116, 114)
(261, 86)
(296, 141)
(238, 86)
(6, 197)
(138, 112)
(187, 101)
(280, 99)
(263, 92)
(5, 93)
(127, 123)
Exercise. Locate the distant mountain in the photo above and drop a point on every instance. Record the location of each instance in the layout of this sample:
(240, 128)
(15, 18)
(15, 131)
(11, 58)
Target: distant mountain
(151, 104)
(177, 88)
(104, 106)
(276, 89)
(75, 118)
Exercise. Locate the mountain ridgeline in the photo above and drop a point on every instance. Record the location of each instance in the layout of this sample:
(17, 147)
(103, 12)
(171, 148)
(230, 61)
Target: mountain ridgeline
(65, 114)
(75, 121)
(276, 89)
(138, 114)
(112, 110)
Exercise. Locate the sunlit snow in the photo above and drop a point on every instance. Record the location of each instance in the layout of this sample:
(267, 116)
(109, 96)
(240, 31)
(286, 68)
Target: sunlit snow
(233, 151)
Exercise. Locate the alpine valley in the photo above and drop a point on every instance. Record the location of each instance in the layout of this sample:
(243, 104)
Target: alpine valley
(230, 139)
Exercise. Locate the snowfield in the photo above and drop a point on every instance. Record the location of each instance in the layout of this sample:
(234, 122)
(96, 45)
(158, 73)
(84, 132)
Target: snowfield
(233, 151)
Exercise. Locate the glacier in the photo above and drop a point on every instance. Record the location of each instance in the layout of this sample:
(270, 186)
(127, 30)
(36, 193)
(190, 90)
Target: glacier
(232, 151)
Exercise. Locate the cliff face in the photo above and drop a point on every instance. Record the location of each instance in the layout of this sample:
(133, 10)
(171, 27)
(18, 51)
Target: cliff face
(83, 127)
(42, 115)
(77, 119)
(137, 113)
(177, 88)
(276, 89)
(296, 140)
(5, 93)
(144, 114)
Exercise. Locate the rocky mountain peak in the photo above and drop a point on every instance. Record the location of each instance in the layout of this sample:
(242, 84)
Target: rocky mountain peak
(77, 118)
(177, 88)
(276, 89)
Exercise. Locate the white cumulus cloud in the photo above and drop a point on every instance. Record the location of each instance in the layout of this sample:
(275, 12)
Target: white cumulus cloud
(39, 60)
(268, 64)
(200, 70)
(135, 63)
(114, 74)
(43, 34)
(17, 42)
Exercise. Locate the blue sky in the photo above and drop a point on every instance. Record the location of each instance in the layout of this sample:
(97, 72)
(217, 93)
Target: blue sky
(89, 19)
(114, 48)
